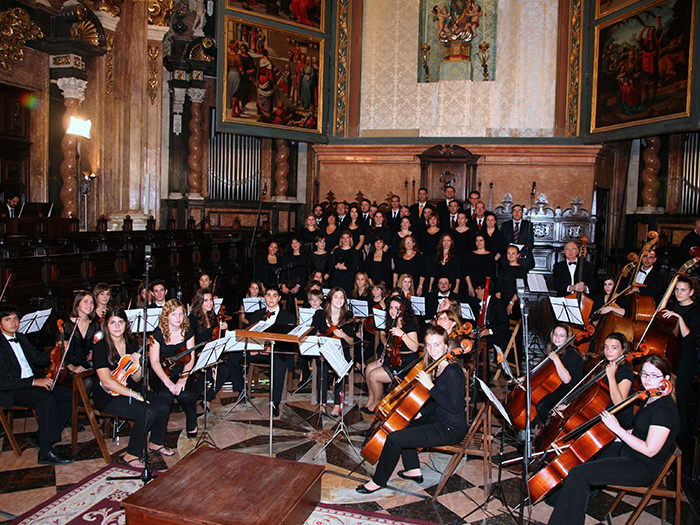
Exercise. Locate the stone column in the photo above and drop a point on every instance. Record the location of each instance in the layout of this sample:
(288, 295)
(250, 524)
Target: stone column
(73, 90)
(194, 160)
(282, 168)
(650, 176)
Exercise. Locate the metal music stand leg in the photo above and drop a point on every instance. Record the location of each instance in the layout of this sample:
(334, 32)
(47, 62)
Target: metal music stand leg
(272, 389)
(206, 436)
(340, 428)
(243, 396)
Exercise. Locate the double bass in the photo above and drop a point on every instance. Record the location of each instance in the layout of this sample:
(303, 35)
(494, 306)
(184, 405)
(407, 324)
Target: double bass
(406, 400)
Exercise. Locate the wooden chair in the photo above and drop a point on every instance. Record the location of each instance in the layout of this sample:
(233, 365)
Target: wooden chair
(6, 417)
(653, 491)
(515, 327)
(82, 404)
(253, 378)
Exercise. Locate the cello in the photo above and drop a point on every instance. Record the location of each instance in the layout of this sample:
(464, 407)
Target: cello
(587, 440)
(409, 396)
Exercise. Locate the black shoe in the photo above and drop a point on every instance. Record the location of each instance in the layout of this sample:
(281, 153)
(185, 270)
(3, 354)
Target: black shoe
(205, 407)
(367, 411)
(275, 411)
(33, 440)
(52, 457)
(417, 479)
(364, 490)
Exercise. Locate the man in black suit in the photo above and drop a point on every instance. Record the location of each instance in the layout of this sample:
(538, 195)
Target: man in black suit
(9, 209)
(572, 275)
(160, 294)
(519, 231)
(420, 206)
(477, 223)
(365, 214)
(283, 363)
(435, 298)
(442, 207)
(474, 198)
(650, 281)
(451, 219)
(393, 216)
(343, 218)
(20, 385)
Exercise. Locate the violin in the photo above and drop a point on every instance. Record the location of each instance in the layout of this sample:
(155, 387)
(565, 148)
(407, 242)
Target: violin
(57, 371)
(588, 440)
(125, 369)
(400, 406)
(216, 332)
(182, 356)
(393, 343)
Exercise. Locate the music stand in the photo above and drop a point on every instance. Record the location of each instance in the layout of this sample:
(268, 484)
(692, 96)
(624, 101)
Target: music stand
(252, 304)
(293, 336)
(136, 317)
(33, 322)
(235, 345)
(379, 319)
(208, 357)
(466, 311)
(418, 305)
(566, 310)
(359, 309)
(306, 315)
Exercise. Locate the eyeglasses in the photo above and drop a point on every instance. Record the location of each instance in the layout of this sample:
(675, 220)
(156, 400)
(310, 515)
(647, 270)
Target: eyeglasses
(650, 376)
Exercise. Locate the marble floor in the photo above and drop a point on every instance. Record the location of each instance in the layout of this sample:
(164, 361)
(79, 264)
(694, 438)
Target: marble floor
(300, 435)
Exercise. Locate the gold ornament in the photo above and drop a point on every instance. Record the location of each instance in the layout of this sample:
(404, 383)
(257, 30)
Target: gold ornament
(16, 27)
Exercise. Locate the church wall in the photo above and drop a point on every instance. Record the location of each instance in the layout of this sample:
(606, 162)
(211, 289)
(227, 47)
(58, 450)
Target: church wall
(520, 103)
(560, 172)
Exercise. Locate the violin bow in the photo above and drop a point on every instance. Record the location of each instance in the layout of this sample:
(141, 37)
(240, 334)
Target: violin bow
(7, 283)
(64, 353)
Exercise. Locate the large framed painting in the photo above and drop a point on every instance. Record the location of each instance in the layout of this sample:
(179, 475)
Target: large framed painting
(642, 66)
(309, 14)
(605, 7)
(271, 78)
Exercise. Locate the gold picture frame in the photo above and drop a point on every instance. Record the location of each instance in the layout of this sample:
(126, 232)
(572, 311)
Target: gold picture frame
(605, 7)
(309, 14)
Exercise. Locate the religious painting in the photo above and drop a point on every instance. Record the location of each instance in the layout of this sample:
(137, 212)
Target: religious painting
(457, 40)
(605, 7)
(304, 13)
(642, 66)
(271, 77)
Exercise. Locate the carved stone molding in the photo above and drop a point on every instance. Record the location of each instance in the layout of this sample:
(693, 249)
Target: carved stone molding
(16, 27)
(573, 84)
(72, 88)
(196, 95)
(282, 168)
(179, 95)
(69, 189)
(109, 66)
(153, 73)
(194, 160)
(342, 60)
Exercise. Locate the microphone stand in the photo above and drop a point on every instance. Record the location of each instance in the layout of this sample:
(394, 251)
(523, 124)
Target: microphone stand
(255, 227)
(527, 452)
(147, 474)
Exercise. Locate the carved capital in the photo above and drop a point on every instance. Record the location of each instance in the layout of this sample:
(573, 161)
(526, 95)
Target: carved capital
(16, 27)
(179, 95)
(72, 88)
(196, 95)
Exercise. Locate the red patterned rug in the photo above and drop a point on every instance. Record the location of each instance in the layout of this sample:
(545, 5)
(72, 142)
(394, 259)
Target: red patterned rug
(97, 501)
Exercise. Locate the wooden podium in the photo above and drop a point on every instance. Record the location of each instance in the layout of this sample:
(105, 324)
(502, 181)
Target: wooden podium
(213, 487)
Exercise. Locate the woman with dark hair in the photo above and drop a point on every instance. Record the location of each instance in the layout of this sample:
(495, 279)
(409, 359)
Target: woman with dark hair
(345, 261)
(79, 356)
(399, 236)
(356, 227)
(493, 236)
(401, 335)
(126, 401)
(409, 260)
(620, 306)
(269, 266)
(295, 271)
(320, 258)
(333, 320)
(378, 262)
(431, 236)
(479, 264)
(635, 458)
(462, 235)
(172, 337)
(443, 418)
(379, 228)
(102, 293)
(446, 263)
(331, 231)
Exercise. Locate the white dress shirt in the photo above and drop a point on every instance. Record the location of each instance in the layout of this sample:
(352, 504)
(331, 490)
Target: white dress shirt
(27, 371)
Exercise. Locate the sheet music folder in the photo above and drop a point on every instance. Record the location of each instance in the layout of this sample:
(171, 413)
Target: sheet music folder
(275, 332)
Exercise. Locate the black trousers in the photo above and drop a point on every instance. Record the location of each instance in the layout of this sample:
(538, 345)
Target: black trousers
(609, 468)
(53, 409)
(685, 377)
(132, 409)
(187, 399)
(282, 364)
(423, 432)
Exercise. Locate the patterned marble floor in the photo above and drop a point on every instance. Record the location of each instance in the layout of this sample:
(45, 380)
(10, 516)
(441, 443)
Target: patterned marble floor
(300, 435)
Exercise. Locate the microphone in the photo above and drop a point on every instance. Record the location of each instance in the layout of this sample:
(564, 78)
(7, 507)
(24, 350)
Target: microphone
(147, 252)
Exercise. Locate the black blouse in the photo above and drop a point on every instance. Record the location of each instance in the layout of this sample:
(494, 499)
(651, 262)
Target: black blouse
(447, 399)
(268, 273)
(344, 278)
(479, 266)
(663, 413)
(379, 270)
(80, 346)
(414, 266)
(201, 333)
(294, 270)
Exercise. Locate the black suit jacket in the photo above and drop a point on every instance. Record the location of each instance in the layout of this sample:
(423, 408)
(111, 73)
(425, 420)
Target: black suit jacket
(562, 277)
(394, 224)
(343, 225)
(5, 210)
(414, 211)
(526, 237)
(283, 317)
(10, 371)
(654, 284)
(444, 213)
(432, 301)
(496, 320)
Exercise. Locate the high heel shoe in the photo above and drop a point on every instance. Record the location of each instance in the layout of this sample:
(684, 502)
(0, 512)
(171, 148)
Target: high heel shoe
(192, 434)
(417, 479)
(364, 490)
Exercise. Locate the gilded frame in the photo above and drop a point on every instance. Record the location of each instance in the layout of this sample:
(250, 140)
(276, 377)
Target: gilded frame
(278, 42)
(237, 5)
(610, 33)
(604, 8)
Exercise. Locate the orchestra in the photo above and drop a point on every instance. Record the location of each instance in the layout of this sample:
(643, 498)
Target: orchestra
(452, 259)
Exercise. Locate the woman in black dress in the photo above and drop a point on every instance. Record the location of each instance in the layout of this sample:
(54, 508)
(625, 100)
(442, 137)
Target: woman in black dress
(493, 236)
(379, 228)
(309, 233)
(446, 263)
(479, 265)
(331, 231)
(621, 305)
(443, 418)
(356, 227)
(361, 289)
(294, 274)
(378, 262)
(402, 331)
(79, 356)
(269, 267)
(506, 285)
(126, 401)
(462, 236)
(431, 236)
(399, 236)
(344, 262)
(172, 337)
(634, 458)
(409, 260)
(320, 259)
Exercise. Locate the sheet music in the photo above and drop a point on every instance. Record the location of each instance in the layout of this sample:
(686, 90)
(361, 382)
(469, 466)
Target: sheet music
(418, 305)
(379, 319)
(305, 316)
(217, 305)
(494, 401)
(566, 310)
(501, 358)
(135, 318)
(252, 304)
(299, 331)
(33, 321)
(359, 307)
(210, 354)
(536, 283)
(332, 350)
(233, 344)
(467, 312)
(261, 325)
(310, 346)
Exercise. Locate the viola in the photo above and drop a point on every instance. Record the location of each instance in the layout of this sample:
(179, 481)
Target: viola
(182, 356)
(401, 405)
(587, 440)
(125, 369)
(393, 343)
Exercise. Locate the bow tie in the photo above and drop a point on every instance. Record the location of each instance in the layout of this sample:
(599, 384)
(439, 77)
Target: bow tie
(572, 264)
(13, 340)
(643, 271)
(443, 295)
(268, 315)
